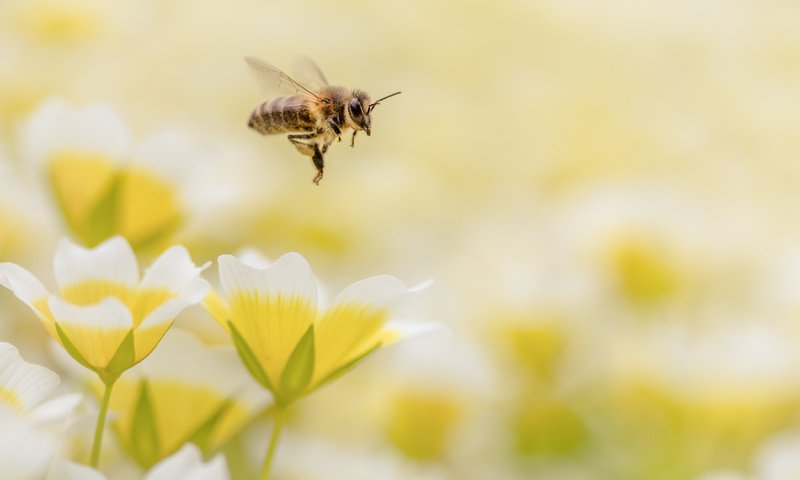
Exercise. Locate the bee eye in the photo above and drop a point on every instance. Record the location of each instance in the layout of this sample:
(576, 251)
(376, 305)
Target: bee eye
(355, 108)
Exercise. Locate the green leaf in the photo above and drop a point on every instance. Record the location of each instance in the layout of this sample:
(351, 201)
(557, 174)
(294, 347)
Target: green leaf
(124, 358)
(299, 368)
(144, 442)
(201, 436)
(103, 217)
(249, 358)
(346, 367)
(71, 349)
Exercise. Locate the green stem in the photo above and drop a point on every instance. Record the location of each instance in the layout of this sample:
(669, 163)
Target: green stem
(273, 442)
(101, 421)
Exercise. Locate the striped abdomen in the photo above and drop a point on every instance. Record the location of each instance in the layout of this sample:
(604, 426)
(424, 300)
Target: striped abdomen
(282, 115)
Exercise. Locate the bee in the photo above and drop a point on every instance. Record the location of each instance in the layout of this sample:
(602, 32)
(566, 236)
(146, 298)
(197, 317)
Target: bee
(314, 114)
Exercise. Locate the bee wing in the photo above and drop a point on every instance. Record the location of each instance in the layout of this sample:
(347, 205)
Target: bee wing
(308, 72)
(275, 80)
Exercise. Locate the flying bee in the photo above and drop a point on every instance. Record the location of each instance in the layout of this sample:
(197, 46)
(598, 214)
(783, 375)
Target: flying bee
(314, 115)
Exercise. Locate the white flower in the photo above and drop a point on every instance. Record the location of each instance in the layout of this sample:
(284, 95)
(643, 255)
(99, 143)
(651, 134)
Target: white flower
(106, 183)
(289, 345)
(23, 385)
(29, 390)
(25, 449)
(105, 315)
(186, 464)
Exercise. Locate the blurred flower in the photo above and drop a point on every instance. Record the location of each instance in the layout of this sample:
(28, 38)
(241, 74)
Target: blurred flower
(186, 464)
(421, 423)
(105, 184)
(287, 344)
(105, 316)
(778, 458)
(184, 391)
(548, 427)
(25, 220)
(539, 345)
(26, 444)
(312, 458)
(58, 22)
(719, 392)
(23, 385)
(25, 449)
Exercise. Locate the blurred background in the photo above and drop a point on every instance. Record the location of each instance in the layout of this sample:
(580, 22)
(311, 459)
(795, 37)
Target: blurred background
(604, 192)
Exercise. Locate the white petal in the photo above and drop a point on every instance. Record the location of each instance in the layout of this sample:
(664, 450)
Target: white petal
(166, 312)
(30, 383)
(408, 329)
(58, 126)
(380, 291)
(290, 275)
(192, 294)
(187, 464)
(61, 469)
(22, 282)
(58, 408)
(112, 260)
(172, 155)
(421, 286)
(173, 270)
(108, 314)
(25, 451)
(254, 258)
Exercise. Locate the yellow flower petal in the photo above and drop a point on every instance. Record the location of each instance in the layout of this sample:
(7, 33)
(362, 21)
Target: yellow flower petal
(355, 322)
(145, 340)
(80, 179)
(149, 208)
(90, 292)
(272, 308)
(96, 331)
(272, 326)
(217, 308)
(345, 332)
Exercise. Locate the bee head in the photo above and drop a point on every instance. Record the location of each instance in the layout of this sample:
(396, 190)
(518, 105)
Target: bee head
(359, 109)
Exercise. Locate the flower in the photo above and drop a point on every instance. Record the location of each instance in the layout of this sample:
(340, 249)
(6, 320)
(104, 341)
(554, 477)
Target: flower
(23, 385)
(184, 390)
(186, 464)
(105, 316)
(287, 344)
(25, 449)
(105, 183)
(27, 407)
(30, 391)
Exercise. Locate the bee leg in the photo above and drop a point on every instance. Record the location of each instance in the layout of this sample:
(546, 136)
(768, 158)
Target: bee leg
(304, 148)
(336, 129)
(353, 139)
(319, 163)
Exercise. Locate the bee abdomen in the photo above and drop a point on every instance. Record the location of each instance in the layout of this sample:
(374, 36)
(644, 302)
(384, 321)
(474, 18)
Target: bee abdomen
(282, 115)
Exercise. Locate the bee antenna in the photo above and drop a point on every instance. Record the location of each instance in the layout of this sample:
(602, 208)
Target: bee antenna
(373, 104)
